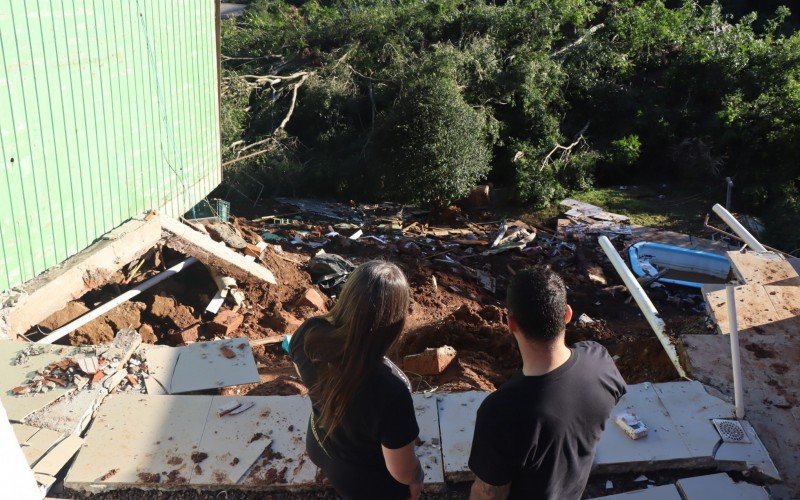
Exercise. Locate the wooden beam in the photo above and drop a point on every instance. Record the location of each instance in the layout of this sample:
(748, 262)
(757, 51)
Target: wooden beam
(186, 240)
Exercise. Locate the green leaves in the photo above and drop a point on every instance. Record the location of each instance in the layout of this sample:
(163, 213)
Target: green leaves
(417, 101)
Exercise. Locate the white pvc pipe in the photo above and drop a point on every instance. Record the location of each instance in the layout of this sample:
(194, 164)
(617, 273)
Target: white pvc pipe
(738, 228)
(738, 391)
(641, 298)
(133, 292)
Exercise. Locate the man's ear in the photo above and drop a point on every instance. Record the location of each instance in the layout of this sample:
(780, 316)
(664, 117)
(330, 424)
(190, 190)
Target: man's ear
(513, 326)
(567, 314)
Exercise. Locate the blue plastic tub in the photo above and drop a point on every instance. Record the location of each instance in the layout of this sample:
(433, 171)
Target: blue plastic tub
(684, 266)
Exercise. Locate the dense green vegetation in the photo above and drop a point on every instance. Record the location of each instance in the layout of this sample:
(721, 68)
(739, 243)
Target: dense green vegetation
(417, 100)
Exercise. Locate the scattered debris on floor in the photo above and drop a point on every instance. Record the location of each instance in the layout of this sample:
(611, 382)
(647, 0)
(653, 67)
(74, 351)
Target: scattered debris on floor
(217, 328)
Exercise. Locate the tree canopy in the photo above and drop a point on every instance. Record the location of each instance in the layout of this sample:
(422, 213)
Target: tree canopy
(417, 101)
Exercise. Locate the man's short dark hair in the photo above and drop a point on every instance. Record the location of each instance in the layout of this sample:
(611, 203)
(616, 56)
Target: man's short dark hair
(537, 299)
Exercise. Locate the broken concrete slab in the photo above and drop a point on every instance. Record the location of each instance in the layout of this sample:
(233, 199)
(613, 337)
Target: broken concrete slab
(457, 413)
(234, 441)
(763, 268)
(691, 408)
(767, 372)
(666, 492)
(284, 463)
(680, 435)
(430, 449)
(46, 469)
(719, 487)
(186, 240)
(663, 445)
(194, 445)
(72, 413)
(200, 366)
(195, 442)
(87, 270)
(35, 441)
(46, 451)
(754, 455)
(13, 375)
(135, 438)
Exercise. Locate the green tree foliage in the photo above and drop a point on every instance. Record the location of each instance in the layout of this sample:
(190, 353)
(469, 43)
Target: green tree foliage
(418, 101)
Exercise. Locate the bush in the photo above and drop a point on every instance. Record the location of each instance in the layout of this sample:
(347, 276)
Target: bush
(417, 101)
(432, 148)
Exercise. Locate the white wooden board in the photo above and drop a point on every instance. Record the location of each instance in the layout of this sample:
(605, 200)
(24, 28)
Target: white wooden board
(200, 366)
(457, 413)
(430, 451)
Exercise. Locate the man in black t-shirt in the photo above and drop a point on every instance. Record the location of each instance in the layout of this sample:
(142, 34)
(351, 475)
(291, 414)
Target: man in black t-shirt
(535, 437)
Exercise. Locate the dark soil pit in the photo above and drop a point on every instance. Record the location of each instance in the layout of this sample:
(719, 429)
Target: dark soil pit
(168, 307)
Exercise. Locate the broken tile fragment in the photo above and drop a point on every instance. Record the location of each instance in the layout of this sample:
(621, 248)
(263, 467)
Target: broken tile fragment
(89, 365)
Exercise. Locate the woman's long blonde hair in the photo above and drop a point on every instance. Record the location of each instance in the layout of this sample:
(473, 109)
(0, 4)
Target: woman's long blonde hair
(366, 320)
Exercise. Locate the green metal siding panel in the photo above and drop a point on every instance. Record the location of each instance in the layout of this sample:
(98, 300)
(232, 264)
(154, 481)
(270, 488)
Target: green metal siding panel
(108, 108)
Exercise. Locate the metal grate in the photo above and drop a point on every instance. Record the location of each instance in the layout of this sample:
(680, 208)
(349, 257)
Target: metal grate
(731, 431)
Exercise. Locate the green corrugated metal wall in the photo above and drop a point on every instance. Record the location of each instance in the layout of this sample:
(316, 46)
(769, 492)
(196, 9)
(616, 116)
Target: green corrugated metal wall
(108, 108)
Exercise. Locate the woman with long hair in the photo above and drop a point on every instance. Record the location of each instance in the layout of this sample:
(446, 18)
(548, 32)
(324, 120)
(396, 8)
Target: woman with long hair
(362, 428)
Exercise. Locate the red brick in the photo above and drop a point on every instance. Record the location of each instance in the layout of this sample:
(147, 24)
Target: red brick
(188, 335)
(429, 362)
(313, 299)
(225, 323)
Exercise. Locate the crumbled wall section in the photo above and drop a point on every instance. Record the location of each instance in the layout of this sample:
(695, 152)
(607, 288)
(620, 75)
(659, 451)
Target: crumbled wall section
(49, 292)
(106, 111)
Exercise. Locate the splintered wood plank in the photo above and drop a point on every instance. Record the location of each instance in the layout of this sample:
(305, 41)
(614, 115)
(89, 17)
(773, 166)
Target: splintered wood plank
(430, 449)
(763, 268)
(753, 307)
(457, 412)
(196, 244)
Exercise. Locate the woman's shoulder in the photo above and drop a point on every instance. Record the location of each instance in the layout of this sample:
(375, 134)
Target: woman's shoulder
(297, 344)
(389, 381)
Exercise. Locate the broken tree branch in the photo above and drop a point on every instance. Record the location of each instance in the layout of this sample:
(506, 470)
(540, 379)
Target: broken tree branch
(303, 76)
(579, 41)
